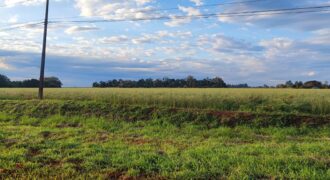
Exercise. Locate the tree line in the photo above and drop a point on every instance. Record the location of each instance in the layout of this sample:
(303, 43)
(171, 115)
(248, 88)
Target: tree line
(305, 85)
(189, 82)
(50, 82)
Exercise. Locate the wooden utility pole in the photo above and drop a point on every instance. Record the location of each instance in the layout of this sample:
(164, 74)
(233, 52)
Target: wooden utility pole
(43, 56)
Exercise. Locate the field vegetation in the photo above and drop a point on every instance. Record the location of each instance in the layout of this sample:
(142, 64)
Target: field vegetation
(314, 101)
(165, 134)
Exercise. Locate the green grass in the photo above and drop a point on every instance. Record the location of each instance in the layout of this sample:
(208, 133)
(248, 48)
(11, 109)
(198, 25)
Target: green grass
(165, 134)
(63, 147)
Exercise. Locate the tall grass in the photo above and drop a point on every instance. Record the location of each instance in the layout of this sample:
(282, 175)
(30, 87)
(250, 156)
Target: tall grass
(263, 100)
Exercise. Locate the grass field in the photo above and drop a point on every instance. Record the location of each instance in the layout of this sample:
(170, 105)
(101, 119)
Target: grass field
(165, 134)
(260, 100)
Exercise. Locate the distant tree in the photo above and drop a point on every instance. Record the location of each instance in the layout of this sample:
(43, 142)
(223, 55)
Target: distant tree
(157, 83)
(289, 84)
(281, 86)
(238, 86)
(96, 84)
(103, 84)
(149, 83)
(53, 82)
(312, 84)
(191, 81)
(141, 83)
(326, 85)
(4, 81)
(218, 82)
(30, 83)
(16, 84)
(298, 84)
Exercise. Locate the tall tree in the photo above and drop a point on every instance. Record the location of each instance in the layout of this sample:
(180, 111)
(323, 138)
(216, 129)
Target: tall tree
(313, 84)
(218, 82)
(289, 84)
(4, 81)
(53, 82)
(191, 81)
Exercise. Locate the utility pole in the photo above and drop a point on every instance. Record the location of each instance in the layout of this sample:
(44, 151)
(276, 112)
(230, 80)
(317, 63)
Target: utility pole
(43, 56)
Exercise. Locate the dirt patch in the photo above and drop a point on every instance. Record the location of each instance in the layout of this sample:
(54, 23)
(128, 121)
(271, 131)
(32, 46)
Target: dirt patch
(3, 171)
(310, 120)
(138, 141)
(115, 175)
(320, 159)
(68, 125)
(238, 142)
(102, 137)
(32, 152)
(265, 119)
(52, 163)
(122, 175)
(19, 166)
(232, 119)
(75, 161)
(178, 116)
(135, 139)
(46, 134)
(9, 142)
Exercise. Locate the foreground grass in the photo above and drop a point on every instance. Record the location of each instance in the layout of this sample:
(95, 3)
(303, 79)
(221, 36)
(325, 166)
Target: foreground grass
(86, 147)
(250, 100)
(165, 134)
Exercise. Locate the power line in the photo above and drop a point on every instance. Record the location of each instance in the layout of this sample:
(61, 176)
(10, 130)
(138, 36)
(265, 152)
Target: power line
(177, 8)
(21, 25)
(174, 8)
(244, 13)
(302, 10)
(206, 5)
(152, 10)
(12, 26)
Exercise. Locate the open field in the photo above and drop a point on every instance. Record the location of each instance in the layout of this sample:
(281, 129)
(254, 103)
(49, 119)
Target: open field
(255, 100)
(165, 134)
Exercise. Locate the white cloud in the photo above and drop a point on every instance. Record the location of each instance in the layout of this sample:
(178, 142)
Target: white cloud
(13, 19)
(299, 21)
(278, 47)
(113, 39)
(76, 29)
(190, 11)
(179, 20)
(311, 73)
(175, 21)
(160, 37)
(116, 9)
(221, 44)
(3, 65)
(322, 37)
(13, 3)
(142, 2)
(277, 43)
(197, 2)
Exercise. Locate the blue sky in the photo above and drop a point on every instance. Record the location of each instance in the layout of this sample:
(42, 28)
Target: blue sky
(259, 49)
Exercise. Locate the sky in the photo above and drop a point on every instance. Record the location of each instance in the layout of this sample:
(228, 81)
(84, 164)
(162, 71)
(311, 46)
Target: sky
(259, 49)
